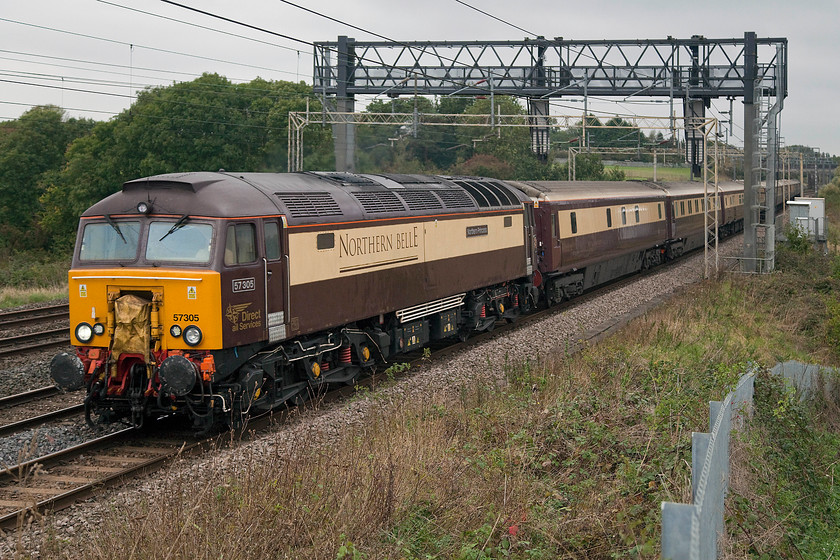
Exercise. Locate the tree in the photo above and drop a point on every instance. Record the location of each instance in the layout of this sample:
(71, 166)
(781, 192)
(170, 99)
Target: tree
(203, 125)
(31, 147)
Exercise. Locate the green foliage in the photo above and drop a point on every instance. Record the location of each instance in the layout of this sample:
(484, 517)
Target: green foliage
(791, 442)
(797, 239)
(31, 148)
(348, 551)
(32, 269)
(207, 124)
(589, 167)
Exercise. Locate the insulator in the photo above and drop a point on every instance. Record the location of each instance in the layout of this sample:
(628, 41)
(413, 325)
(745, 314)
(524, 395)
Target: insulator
(483, 313)
(346, 355)
(516, 300)
(325, 366)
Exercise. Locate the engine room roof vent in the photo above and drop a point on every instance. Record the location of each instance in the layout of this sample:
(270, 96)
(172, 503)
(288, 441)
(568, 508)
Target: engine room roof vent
(379, 202)
(455, 198)
(348, 179)
(488, 194)
(420, 200)
(309, 205)
(412, 179)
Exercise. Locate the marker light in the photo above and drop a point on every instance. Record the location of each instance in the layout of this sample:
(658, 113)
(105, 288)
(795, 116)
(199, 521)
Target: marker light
(175, 331)
(98, 329)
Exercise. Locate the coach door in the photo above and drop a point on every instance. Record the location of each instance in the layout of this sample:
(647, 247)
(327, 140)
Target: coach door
(530, 237)
(275, 279)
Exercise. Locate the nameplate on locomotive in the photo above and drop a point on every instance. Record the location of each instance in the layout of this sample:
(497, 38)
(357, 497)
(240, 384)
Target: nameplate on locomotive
(475, 231)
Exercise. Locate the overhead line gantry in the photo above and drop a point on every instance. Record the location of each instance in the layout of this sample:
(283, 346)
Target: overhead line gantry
(694, 70)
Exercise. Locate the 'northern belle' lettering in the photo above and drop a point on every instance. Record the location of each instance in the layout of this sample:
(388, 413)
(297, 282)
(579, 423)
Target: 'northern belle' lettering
(351, 246)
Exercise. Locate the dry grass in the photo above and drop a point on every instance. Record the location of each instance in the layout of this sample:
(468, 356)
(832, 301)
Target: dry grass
(568, 458)
(14, 297)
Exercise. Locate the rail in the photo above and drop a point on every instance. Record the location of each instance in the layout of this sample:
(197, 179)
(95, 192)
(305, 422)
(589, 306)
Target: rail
(37, 315)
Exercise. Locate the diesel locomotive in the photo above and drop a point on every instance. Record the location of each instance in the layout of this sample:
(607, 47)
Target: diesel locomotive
(215, 295)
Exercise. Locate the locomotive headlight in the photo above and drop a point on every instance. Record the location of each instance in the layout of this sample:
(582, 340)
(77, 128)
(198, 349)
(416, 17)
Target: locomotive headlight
(98, 329)
(175, 331)
(84, 332)
(144, 208)
(192, 335)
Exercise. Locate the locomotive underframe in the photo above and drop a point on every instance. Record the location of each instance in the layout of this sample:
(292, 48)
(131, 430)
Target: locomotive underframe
(132, 390)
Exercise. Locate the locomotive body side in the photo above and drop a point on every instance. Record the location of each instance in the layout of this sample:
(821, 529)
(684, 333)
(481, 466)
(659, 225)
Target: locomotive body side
(347, 272)
(214, 294)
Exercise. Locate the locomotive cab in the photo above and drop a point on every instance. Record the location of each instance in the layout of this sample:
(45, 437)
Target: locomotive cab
(156, 296)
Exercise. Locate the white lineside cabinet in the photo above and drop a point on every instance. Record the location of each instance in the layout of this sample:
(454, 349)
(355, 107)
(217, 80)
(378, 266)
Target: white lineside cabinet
(808, 214)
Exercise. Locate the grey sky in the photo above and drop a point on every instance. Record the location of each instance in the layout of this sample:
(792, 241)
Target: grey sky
(809, 116)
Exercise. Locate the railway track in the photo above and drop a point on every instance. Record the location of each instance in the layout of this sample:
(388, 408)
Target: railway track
(22, 343)
(28, 396)
(58, 480)
(38, 315)
(12, 405)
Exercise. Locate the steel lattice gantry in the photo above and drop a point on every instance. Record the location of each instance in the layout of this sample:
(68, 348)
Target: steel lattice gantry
(694, 70)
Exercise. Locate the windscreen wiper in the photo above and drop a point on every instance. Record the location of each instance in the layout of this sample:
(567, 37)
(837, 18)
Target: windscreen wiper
(176, 226)
(114, 225)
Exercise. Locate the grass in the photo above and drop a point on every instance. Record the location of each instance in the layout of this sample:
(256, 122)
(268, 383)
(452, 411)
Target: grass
(568, 457)
(15, 297)
(32, 278)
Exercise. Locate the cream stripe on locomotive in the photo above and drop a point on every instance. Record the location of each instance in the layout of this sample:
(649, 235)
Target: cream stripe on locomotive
(318, 256)
(586, 221)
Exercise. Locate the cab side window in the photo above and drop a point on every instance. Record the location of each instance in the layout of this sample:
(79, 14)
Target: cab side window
(240, 244)
(271, 230)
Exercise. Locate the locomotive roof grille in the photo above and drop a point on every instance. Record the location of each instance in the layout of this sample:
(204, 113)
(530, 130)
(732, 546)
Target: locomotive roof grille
(309, 205)
(420, 200)
(412, 179)
(379, 202)
(455, 198)
(488, 194)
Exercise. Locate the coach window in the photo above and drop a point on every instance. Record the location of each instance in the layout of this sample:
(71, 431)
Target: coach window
(240, 244)
(682, 207)
(659, 207)
(554, 226)
(623, 216)
(609, 217)
(696, 204)
(637, 213)
(574, 222)
(271, 231)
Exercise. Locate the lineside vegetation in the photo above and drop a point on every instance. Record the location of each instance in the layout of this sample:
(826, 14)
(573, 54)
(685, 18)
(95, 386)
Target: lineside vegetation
(569, 457)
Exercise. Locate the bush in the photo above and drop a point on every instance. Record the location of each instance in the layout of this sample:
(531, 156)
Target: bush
(37, 269)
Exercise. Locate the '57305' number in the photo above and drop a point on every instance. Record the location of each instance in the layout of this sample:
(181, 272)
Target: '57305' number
(189, 317)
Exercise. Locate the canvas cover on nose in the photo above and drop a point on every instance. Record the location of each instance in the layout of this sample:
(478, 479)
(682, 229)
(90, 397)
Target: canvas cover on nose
(132, 329)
